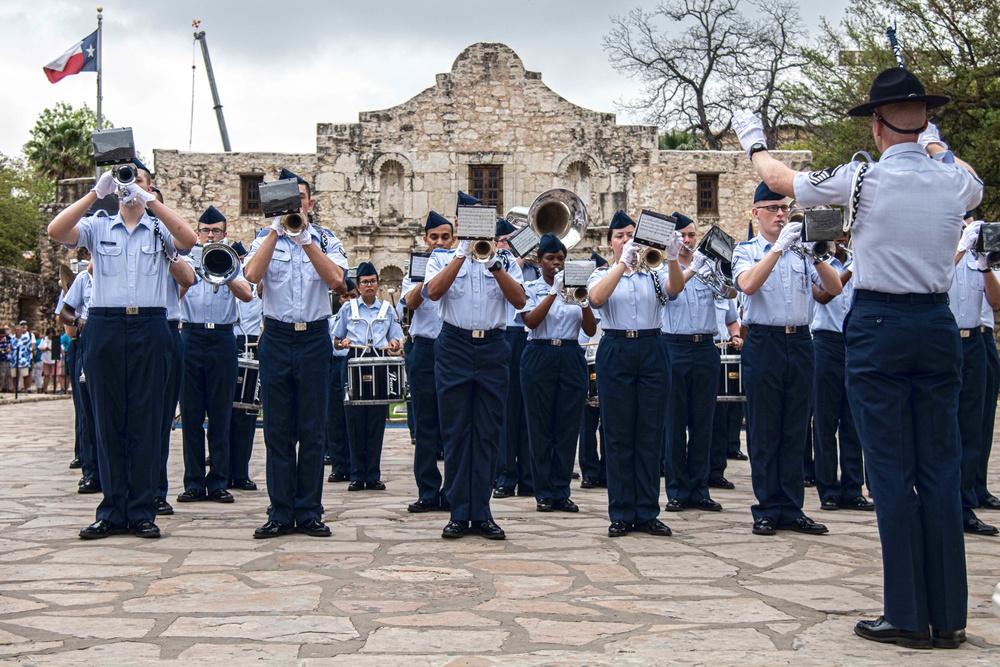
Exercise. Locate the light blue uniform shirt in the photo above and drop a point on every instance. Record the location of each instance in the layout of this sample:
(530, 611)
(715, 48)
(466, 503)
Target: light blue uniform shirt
(692, 311)
(173, 300)
(293, 290)
(367, 329)
(79, 294)
(633, 304)
(830, 316)
(202, 304)
(129, 269)
(333, 326)
(908, 221)
(563, 321)
(725, 314)
(987, 318)
(785, 298)
(251, 314)
(474, 300)
(967, 294)
(425, 321)
(529, 272)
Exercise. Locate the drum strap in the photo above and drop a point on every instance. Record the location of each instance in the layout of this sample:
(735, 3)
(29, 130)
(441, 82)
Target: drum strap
(382, 316)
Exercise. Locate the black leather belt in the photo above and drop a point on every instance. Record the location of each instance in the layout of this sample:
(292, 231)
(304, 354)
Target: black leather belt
(632, 333)
(912, 299)
(689, 338)
(828, 334)
(131, 310)
(555, 342)
(424, 339)
(474, 333)
(517, 330)
(207, 325)
(985, 329)
(295, 326)
(789, 330)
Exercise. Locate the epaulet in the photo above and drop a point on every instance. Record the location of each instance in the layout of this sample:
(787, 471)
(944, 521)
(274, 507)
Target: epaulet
(263, 232)
(747, 242)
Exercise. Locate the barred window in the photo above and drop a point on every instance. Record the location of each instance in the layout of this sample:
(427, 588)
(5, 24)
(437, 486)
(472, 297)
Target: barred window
(486, 184)
(250, 194)
(708, 195)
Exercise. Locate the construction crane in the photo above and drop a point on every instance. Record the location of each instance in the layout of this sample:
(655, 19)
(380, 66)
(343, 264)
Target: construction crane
(200, 37)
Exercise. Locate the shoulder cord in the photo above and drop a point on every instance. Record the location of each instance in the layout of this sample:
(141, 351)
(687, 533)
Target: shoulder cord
(163, 244)
(856, 182)
(660, 296)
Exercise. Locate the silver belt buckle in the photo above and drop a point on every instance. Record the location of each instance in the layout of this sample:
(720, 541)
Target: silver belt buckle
(132, 310)
(791, 329)
(300, 326)
(478, 333)
(631, 333)
(556, 342)
(209, 325)
(963, 333)
(696, 338)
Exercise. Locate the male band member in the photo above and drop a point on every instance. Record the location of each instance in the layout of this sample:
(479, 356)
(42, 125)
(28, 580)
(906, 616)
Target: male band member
(987, 501)
(243, 422)
(470, 368)
(833, 423)
(338, 448)
(208, 313)
(778, 360)
(373, 324)
(593, 455)
(728, 417)
(972, 281)
(296, 274)
(689, 333)
(425, 326)
(128, 344)
(903, 348)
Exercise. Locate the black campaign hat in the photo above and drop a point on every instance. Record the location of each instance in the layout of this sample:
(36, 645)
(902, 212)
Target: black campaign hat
(893, 86)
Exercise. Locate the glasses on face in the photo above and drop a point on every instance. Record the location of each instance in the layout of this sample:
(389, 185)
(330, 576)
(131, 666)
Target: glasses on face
(368, 283)
(211, 232)
(774, 208)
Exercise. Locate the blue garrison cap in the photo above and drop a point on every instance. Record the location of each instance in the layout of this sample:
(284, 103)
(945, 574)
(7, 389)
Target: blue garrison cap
(239, 248)
(349, 285)
(682, 220)
(504, 228)
(366, 269)
(285, 173)
(550, 243)
(435, 219)
(211, 215)
(467, 200)
(764, 193)
(600, 260)
(138, 163)
(621, 220)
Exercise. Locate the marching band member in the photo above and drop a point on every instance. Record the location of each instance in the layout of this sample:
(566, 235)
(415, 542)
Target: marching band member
(372, 323)
(128, 343)
(728, 417)
(903, 347)
(243, 422)
(208, 381)
(425, 326)
(633, 377)
(987, 501)
(338, 448)
(593, 455)
(295, 274)
(471, 371)
(689, 333)
(778, 361)
(553, 376)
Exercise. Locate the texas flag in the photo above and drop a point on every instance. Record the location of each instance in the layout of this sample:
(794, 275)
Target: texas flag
(81, 57)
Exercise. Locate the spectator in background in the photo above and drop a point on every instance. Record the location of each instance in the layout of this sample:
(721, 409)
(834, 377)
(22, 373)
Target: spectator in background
(36, 364)
(63, 368)
(24, 348)
(49, 353)
(5, 354)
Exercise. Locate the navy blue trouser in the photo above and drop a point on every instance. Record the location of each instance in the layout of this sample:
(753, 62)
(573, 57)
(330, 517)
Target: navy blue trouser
(833, 422)
(365, 433)
(126, 358)
(70, 362)
(86, 429)
(242, 427)
(171, 395)
(633, 381)
(970, 418)
(989, 412)
(514, 459)
(593, 454)
(471, 376)
(694, 386)
(725, 436)
(554, 382)
(411, 424)
(808, 461)
(207, 388)
(903, 381)
(777, 374)
(423, 393)
(295, 388)
(337, 441)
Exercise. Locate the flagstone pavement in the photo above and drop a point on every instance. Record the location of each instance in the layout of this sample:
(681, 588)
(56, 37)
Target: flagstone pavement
(387, 590)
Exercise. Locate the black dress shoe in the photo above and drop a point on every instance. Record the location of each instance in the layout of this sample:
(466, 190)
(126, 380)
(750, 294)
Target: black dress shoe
(356, 486)
(328, 460)
(75, 464)
(89, 486)
(272, 529)
(525, 491)
(618, 529)
(243, 484)
(654, 527)
(977, 527)
(423, 506)
(809, 482)
(488, 529)
(738, 455)
(588, 483)
(765, 526)
(163, 508)
(503, 492)
(192, 496)
(708, 505)
(454, 529)
(314, 527)
(221, 496)
(879, 630)
(574, 475)
(942, 639)
(829, 503)
(337, 477)
(806, 525)
(146, 528)
(720, 483)
(857, 503)
(101, 529)
(565, 505)
(375, 486)
(675, 505)
(990, 502)
(544, 505)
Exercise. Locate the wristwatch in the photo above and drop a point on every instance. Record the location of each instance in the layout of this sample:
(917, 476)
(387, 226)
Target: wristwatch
(496, 267)
(756, 148)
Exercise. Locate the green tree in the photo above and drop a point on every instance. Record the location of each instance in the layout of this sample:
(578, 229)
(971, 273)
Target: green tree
(675, 140)
(60, 144)
(20, 195)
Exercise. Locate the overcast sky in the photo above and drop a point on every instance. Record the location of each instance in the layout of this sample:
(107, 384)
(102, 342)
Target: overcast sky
(282, 67)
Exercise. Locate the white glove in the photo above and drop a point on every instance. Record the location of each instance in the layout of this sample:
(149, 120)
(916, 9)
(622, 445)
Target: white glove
(276, 227)
(464, 247)
(629, 251)
(133, 193)
(983, 261)
(969, 237)
(931, 136)
(674, 247)
(105, 185)
(706, 271)
(698, 262)
(305, 238)
(789, 234)
(749, 129)
(558, 282)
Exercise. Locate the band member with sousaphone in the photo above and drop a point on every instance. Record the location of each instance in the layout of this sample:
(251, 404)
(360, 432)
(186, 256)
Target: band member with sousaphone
(632, 368)
(367, 326)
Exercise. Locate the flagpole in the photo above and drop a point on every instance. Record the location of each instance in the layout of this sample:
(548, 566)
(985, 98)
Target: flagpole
(100, 53)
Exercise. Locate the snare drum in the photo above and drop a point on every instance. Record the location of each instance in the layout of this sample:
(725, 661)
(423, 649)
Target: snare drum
(731, 379)
(375, 381)
(248, 385)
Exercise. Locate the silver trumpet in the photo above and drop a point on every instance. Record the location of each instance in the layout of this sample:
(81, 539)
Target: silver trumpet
(648, 260)
(293, 224)
(483, 251)
(822, 251)
(848, 251)
(575, 296)
(719, 280)
(219, 264)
